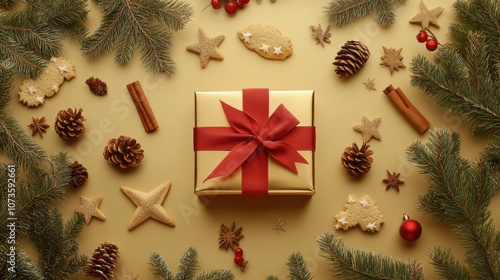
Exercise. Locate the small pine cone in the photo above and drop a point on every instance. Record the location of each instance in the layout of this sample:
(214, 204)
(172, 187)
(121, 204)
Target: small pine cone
(79, 174)
(97, 86)
(103, 261)
(69, 124)
(357, 161)
(124, 152)
(351, 57)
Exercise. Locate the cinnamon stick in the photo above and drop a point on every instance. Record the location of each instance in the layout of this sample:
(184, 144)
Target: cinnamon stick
(406, 108)
(142, 105)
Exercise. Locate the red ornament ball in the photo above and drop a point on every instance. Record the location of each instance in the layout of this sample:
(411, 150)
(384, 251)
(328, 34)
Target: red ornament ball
(410, 230)
(238, 251)
(422, 36)
(431, 44)
(216, 4)
(231, 7)
(238, 259)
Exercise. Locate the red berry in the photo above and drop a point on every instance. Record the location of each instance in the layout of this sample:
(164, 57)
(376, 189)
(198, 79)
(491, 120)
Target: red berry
(231, 7)
(240, 4)
(238, 251)
(422, 36)
(238, 260)
(431, 44)
(245, 1)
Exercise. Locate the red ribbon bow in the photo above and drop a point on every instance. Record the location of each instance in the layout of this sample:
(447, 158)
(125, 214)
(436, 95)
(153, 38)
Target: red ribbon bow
(252, 137)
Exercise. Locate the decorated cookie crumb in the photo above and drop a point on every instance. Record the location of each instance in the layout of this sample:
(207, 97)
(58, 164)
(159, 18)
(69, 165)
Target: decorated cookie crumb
(360, 211)
(267, 41)
(32, 92)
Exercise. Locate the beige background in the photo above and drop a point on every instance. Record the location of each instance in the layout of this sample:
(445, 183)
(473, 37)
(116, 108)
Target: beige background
(339, 105)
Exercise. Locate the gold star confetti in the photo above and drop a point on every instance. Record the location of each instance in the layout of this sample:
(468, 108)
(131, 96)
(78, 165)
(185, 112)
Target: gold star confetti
(132, 277)
(426, 16)
(279, 225)
(370, 85)
(207, 48)
(149, 205)
(90, 208)
(369, 129)
(392, 58)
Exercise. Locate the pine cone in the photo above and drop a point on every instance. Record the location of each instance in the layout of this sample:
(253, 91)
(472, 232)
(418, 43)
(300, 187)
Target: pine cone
(69, 124)
(351, 57)
(123, 151)
(97, 86)
(103, 261)
(357, 161)
(79, 175)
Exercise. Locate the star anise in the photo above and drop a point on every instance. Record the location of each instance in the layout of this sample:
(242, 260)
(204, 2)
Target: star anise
(393, 181)
(319, 35)
(38, 126)
(229, 237)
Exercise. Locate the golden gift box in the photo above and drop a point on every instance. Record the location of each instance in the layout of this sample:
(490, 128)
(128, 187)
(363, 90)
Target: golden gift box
(254, 142)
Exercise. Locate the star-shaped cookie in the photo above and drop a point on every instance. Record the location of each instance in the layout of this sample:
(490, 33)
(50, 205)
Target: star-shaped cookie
(207, 48)
(392, 58)
(149, 205)
(426, 16)
(90, 208)
(369, 129)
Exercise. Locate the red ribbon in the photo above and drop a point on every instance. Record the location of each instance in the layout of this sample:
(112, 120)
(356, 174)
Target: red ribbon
(252, 137)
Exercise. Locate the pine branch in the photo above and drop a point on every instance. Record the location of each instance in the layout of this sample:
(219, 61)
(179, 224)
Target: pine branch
(7, 2)
(128, 24)
(272, 277)
(459, 194)
(349, 263)
(446, 264)
(24, 267)
(56, 244)
(6, 86)
(298, 267)
(187, 268)
(343, 12)
(30, 37)
(454, 85)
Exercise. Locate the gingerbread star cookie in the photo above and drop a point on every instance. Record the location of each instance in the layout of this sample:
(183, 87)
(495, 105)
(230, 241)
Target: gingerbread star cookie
(149, 205)
(32, 92)
(207, 47)
(361, 211)
(369, 129)
(427, 17)
(393, 59)
(90, 208)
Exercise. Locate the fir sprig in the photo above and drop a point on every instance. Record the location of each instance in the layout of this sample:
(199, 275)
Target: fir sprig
(349, 263)
(343, 12)
(459, 195)
(129, 24)
(297, 268)
(187, 268)
(28, 38)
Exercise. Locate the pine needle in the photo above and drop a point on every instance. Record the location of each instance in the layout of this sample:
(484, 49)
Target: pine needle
(343, 12)
(130, 24)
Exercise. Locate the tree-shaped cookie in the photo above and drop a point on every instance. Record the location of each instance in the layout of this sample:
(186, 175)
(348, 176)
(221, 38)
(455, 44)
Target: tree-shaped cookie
(361, 211)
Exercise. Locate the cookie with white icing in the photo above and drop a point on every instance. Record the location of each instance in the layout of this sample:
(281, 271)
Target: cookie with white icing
(267, 41)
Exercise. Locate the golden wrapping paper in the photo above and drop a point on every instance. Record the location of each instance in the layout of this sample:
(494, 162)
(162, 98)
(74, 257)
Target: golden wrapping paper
(282, 181)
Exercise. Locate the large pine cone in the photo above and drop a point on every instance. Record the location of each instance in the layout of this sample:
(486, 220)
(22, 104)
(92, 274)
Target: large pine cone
(103, 261)
(69, 124)
(79, 174)
(357, 161)
(351, 57)
(124, 152)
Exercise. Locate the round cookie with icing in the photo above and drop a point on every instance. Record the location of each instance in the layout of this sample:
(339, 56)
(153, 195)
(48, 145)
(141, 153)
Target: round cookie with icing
(267, 41)
(32, 92)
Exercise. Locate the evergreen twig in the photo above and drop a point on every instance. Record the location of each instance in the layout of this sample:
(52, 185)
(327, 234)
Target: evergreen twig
(128, 24)
(28, 38)
(459, 195)
(343, 12)
(298, 267)
(187, 268)
(348, 263)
